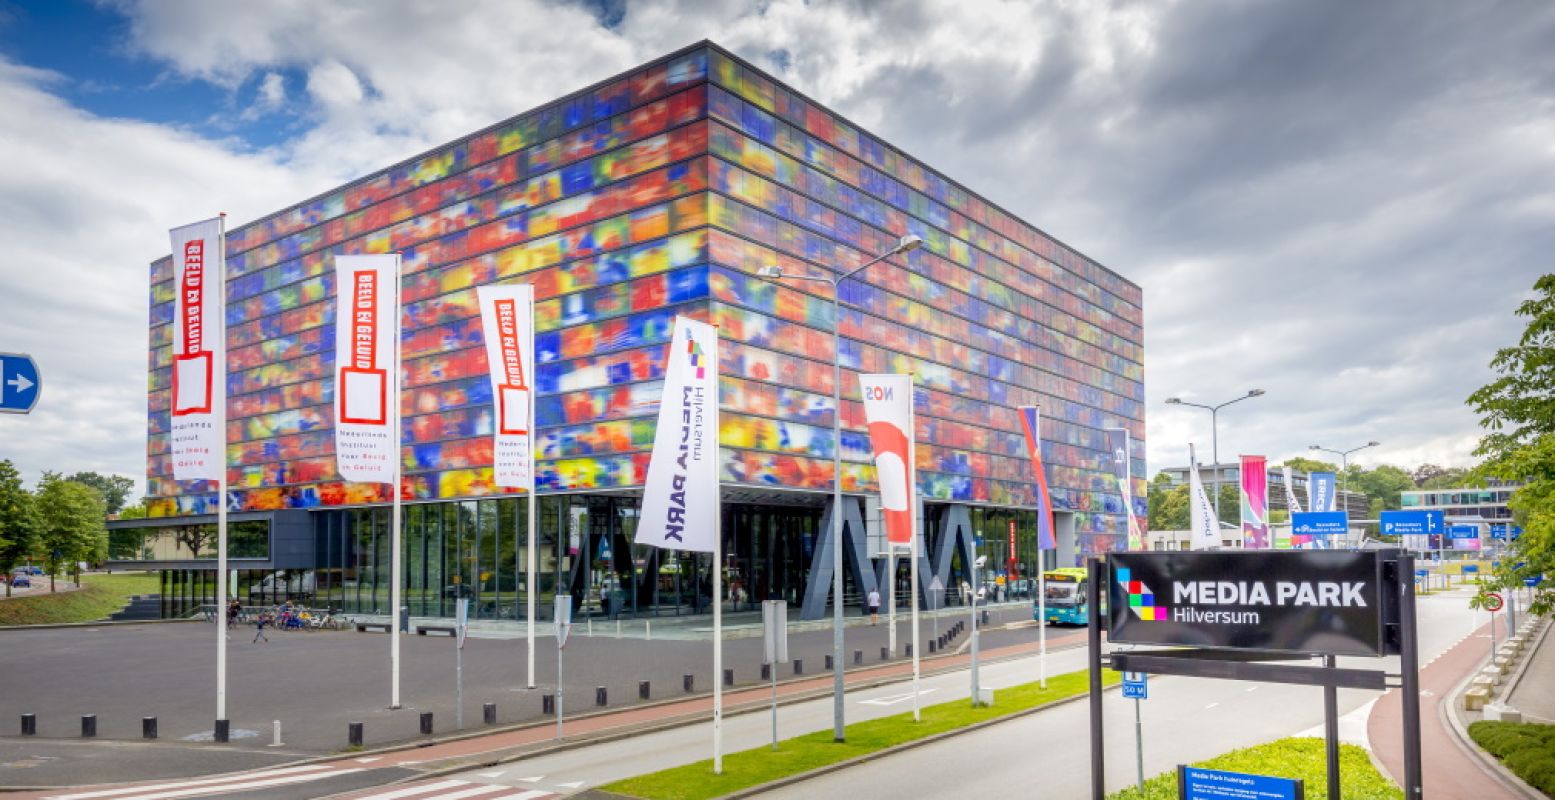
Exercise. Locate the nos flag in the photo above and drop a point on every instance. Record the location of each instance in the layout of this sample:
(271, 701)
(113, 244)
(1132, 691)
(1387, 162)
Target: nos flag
(680, 498)
(507, 319)
(199, 408)
(1031, 425)
(1255, 503)
(366, 369)
(888, 410)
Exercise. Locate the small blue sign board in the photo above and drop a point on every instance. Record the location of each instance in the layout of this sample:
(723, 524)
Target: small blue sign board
(1320, 523)
(1463, 531)
(1532, 582)
(1497, 530)
(1422, 574)
(1471, 569)
(1195, 783)
(1135, 686)
(20, 383)
(1413, 523)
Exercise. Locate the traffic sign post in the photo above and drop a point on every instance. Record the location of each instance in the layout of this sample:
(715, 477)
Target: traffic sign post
(1136, 687)
(20, 383)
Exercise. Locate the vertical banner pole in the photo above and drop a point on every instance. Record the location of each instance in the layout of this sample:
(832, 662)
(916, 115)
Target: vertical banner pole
(718, 571)
(222, 580)
(890, 594)
(531, 579)
(1093, 652)
(1042, 618)
(394, 524)
(1409, 669)
(1331, 729)
(912, 554)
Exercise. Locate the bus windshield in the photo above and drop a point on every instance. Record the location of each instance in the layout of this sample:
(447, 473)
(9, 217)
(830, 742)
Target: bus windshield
(1064, 594)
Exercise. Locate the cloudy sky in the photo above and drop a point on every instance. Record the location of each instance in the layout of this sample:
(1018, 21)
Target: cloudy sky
(1339, 203)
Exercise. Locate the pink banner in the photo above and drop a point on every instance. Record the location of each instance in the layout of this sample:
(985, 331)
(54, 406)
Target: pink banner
(1255, 503)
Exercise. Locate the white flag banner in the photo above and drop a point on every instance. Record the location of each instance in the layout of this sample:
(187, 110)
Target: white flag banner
(199, 407)
(1291, 503)
(507, 319)
(680, 498)
(888, 411)
(1204, 533)
(366, 373)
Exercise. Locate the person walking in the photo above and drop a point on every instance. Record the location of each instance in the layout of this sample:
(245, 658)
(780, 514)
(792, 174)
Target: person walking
(874, 606)
(259, 625)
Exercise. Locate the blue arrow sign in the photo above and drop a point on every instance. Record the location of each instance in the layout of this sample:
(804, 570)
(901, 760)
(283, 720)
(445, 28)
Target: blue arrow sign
(1320, 523)
(20, 383)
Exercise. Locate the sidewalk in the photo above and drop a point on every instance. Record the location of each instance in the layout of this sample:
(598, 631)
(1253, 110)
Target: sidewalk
(1534, 694)
(1449, 769)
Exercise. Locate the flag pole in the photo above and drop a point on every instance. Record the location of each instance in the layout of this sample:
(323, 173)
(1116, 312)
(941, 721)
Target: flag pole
(394, 525)
(912, 553)
(531, 580)
(221, 481)
(718, 544)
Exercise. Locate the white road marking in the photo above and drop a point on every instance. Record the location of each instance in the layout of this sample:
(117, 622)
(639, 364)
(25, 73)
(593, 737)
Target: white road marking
(475, 792)
(415, 790)
(243, 786)
(499, 773)
(535, 779)
(367, 760)
(1211, 705)
(893, 699)
(182, 784)
(572, 785)
(529, 795)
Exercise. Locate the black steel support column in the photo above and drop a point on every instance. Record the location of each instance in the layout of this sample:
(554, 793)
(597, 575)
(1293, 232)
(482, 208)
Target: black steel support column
(1331, 729)
(1093, 646)
(1409, 672)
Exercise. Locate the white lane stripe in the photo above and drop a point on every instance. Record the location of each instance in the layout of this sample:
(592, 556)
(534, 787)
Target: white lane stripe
(529, 795)
(181, 784)
(245, 786)
(415, 790)
(485, 789)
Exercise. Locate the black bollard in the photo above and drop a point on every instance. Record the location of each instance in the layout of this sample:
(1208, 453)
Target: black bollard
(728, 677)
(29, 724)
(426, 722)
(830, 662)
(489, 713)
(600, 698)
(766, 672)
(885, 653)
(642, 690)
(909, 651)
(223, 727)
(858, 656)
(548, 704)
(88, 726)
(933, 645)
(148, 727)
(798, 666)
(688, 681)
(354, 734)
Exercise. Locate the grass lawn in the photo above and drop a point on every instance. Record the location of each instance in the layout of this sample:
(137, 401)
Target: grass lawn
(761, 765)
(99, 596)
(1525, 748)
(1285, 758)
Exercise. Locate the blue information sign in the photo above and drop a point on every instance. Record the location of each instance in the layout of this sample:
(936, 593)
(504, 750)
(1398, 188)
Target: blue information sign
(1422, 574)
(1471, 569)
(1532, 582)
(1412, 523)
(1195, 783)
(20, 383)
(1320, 523)
(1135, 686)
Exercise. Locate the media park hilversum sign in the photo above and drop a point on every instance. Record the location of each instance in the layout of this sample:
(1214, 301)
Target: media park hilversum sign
(1321, 601)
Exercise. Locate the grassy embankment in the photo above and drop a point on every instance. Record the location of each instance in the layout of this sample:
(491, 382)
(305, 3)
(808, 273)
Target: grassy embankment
(1285, 758)
(762, 765)
(99, 596)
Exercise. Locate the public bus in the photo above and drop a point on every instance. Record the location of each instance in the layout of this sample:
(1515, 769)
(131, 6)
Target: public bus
(1064, 596)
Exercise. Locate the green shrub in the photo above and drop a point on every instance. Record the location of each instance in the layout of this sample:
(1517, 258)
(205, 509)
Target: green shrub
(1285, 758)
(1527, 749)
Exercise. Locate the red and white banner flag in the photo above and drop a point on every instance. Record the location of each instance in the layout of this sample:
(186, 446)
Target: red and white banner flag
(366, 369)
(199, 425)
(507, 319)
(680, 497)
(888, 410)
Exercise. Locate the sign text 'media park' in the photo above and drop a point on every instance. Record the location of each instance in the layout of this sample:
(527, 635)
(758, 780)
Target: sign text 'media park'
(1303, 602)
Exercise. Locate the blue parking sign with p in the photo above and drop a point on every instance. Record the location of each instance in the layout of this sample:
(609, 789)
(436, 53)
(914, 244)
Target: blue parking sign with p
(1134, 686)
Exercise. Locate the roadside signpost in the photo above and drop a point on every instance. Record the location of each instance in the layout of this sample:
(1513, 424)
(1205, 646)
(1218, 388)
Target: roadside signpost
(774, 648)
(563, 617)
(1414, 528)
(1233, 610)
(1322, 526)
(20, 383)
(1195, 783)
(1136, 688)
(461, 627)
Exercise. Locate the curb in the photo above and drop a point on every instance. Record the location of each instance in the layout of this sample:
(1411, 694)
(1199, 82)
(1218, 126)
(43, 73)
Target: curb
(103, 623)
(1448, 711)
(755, 791)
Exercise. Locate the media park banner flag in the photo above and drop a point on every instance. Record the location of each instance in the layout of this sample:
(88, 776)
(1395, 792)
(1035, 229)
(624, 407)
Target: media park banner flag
(680, 498)
(1255, 503)
(1320, 492)
(888, 410)
(199, 426)
(507, 320)
(367, 374)
(1031, 424)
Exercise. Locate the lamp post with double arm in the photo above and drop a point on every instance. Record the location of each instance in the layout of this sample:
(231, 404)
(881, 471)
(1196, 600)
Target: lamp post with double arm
(1214, 435)
(775, 273)
(1344, 462)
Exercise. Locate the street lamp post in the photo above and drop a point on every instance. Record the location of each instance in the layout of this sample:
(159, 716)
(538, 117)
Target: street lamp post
(903, 245)
(1214, 435)
(1344, 460)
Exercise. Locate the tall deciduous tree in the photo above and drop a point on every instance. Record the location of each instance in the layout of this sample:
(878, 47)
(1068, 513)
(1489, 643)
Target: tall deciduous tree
(1518, 411)
(18, 522)
(115, 489)
(72, 529)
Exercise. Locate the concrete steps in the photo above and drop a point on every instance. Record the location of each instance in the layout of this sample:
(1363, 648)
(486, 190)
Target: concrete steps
(141, 607)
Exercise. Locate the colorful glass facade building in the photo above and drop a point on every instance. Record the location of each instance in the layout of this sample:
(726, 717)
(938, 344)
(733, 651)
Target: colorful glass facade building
(658, 192)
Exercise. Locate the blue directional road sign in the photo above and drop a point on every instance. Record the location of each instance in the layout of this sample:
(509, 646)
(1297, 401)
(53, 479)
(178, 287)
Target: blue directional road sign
(1532, 582)
(20, 383)
(1320, 523)
(1135, 686)
(1412, 523)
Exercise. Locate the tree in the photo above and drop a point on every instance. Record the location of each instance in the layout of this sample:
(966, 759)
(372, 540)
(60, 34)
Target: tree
(115, 489)
(1168, 504)
(71, 516)
(18, 521)
(1383, 485)
(195, 537)
(1304, 464)
(1518, 411)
